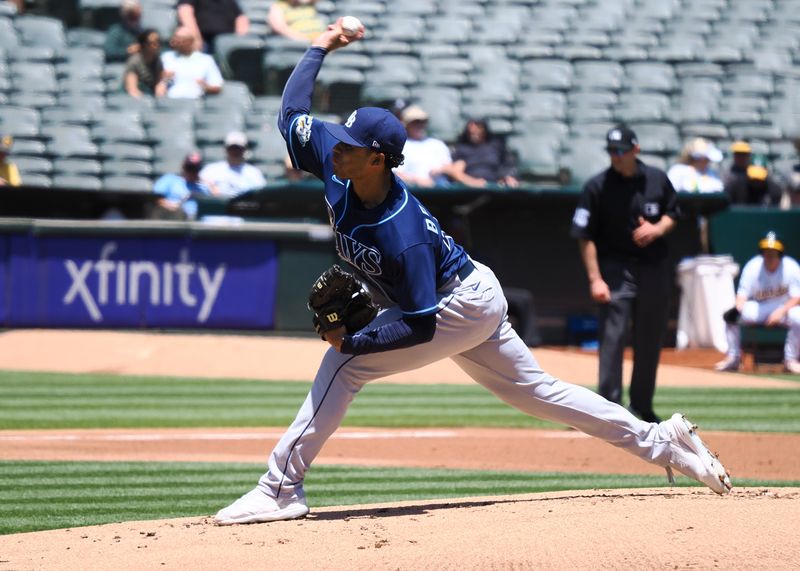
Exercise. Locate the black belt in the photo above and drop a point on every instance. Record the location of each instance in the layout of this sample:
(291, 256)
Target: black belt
(465, 270)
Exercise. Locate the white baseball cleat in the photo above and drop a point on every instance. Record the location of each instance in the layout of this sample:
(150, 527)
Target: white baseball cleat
(728, 365)
(256, 506)
(792, 366)
(691, 457)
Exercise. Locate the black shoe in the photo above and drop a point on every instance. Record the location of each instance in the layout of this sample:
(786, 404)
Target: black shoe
(648, 416)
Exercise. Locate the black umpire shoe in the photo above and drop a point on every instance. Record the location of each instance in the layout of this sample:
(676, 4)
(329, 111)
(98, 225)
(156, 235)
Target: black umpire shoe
(648, 416)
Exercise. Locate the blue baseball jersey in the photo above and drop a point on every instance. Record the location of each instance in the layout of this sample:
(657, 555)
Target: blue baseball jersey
(397, 247)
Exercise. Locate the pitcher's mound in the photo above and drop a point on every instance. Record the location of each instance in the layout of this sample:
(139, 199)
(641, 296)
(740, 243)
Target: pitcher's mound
(634, 529)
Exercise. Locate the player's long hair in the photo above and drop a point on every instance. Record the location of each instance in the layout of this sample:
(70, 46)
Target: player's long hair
(393, 161)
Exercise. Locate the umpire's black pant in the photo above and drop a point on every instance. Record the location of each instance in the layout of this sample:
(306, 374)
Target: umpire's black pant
(641, 293)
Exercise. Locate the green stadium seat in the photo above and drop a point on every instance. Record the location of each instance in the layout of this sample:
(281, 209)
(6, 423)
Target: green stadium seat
(583, 158)
(9, 40)
(126, 151)
(86, 37)
(33, 165)
(409, 28)
(81, 102)
(598, 75)
(657, 138)
(625, 53)
(82, 85)
(242, 58)
(34, 77)
(72, 166)
(79, 182)
(712, 131)
(417, 7)
(33, 54)
(578, 52)
(36, 180)
(750, 131)
(268, 145)
(99, 14)
(547, 74)
(162, 18)
(650, 76)
(128, 183)
(583, 113)
(595, 131)
(41, 31)
(538, 157)
(35, 99)
(28, 147)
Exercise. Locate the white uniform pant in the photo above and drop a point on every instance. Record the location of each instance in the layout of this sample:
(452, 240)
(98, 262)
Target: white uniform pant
(472, 329)
(755, 312)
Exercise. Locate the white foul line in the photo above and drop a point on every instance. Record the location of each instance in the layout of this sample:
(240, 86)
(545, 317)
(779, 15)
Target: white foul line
(150, 437)
(233, 436)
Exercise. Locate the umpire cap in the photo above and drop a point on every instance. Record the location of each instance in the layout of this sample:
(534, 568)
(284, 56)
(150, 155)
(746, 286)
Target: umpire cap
(770, 242)
(621, 138)
(371, 127)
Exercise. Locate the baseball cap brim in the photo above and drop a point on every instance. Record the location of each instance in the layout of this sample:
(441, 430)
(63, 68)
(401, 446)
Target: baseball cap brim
(340, 133)
(618, 147)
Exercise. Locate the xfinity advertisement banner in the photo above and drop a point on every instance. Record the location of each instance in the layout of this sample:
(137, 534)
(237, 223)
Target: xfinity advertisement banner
(140, 282)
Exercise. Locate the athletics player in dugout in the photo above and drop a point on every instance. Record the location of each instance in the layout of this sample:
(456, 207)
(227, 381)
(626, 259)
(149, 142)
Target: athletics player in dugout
(620, 223)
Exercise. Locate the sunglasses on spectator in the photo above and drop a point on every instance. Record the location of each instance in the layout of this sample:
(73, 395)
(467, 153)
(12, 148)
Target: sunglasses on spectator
(618, 152)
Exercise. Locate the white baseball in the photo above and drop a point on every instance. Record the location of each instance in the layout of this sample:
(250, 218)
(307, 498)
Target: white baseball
(350, 25)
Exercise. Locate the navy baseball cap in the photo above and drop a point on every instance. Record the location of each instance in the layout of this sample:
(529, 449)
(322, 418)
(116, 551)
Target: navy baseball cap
(372, 127)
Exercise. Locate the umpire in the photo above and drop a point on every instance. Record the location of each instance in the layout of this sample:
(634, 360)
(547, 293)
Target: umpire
(620, 223)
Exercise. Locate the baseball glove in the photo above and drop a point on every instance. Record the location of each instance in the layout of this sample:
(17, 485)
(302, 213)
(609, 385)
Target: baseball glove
(731, 316)
(338, 298)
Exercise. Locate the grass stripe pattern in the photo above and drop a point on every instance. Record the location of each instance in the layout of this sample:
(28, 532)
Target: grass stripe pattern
(51, 495)
(53, 400)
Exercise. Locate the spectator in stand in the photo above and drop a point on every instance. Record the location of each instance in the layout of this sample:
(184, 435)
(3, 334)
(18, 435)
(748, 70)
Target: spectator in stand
(234, 175)
(9, 175)
(296, 19)
(748, 183)
(742, 154)
(480, 158)
(427, 159)
(121, 37)
(695, 170)
(189, 74)
(206, 19)
(144, 72)
(791, 177)
(179, 190)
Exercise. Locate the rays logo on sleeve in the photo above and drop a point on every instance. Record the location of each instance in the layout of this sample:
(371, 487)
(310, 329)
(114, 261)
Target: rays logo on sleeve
(303, 129)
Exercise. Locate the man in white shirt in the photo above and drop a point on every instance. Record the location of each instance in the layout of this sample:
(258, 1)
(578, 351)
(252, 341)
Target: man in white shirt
(232, 176)
(189, 74)
(427, 160)
(768, 293)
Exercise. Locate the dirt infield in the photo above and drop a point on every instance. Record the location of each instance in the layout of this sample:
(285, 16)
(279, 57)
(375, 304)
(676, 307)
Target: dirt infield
(618, 529)
(644, 529)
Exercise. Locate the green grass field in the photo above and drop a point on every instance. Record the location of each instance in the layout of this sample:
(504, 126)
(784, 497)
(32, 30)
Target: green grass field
(50, 400)
(48, 495)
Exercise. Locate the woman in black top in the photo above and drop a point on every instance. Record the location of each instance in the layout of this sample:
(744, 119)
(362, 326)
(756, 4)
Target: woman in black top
(480, 158)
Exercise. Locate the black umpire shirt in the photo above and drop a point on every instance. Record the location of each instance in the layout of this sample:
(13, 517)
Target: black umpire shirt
(214, 17)
(609, 209)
